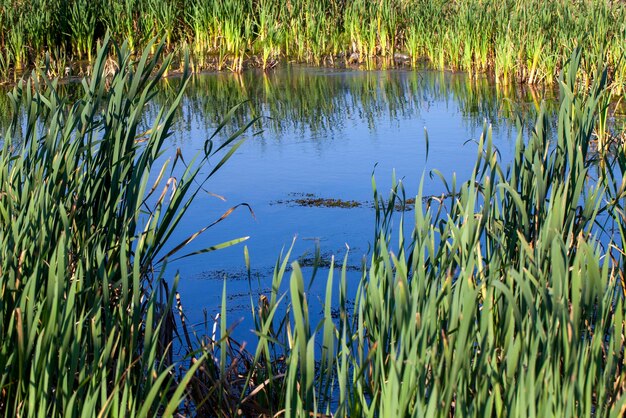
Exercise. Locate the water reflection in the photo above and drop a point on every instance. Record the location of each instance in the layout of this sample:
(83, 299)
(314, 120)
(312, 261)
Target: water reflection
(296, 99)
(324, 132)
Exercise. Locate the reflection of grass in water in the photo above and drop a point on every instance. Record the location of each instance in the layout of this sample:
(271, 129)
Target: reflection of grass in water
(304, 100)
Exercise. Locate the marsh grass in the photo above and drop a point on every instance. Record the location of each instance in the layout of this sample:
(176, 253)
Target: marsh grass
(86, 215)
(517, 40)
(506, 299)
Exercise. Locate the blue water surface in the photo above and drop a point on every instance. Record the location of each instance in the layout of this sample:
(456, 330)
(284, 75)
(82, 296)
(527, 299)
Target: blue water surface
(322, 133)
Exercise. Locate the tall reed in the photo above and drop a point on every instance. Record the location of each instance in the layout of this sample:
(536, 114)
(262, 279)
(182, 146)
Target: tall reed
(86, 215)
(517, 40)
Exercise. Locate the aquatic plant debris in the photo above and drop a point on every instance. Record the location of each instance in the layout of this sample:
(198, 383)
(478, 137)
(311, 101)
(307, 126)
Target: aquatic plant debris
(312, 200)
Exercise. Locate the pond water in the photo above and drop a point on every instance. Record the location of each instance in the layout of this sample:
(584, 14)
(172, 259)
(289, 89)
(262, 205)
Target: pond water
(307, 164)
(321, 135)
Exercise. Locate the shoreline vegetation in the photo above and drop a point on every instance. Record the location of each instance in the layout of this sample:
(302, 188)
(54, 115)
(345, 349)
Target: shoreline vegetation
(517, 41)
(506, 299)
(86, 311)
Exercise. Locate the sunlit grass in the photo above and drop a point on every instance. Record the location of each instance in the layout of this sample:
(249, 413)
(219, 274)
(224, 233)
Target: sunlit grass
(86, 216)
(517, 40)
(507, 298)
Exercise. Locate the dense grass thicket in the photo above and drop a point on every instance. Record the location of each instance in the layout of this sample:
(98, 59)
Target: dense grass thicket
(86, 323)
(506, 299)
(518, 40)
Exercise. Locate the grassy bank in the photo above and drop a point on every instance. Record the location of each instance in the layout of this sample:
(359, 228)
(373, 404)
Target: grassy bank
(517, 40)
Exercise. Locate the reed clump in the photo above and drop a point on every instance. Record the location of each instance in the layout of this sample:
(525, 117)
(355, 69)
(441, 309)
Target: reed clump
(517, 40)
(87, 206)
